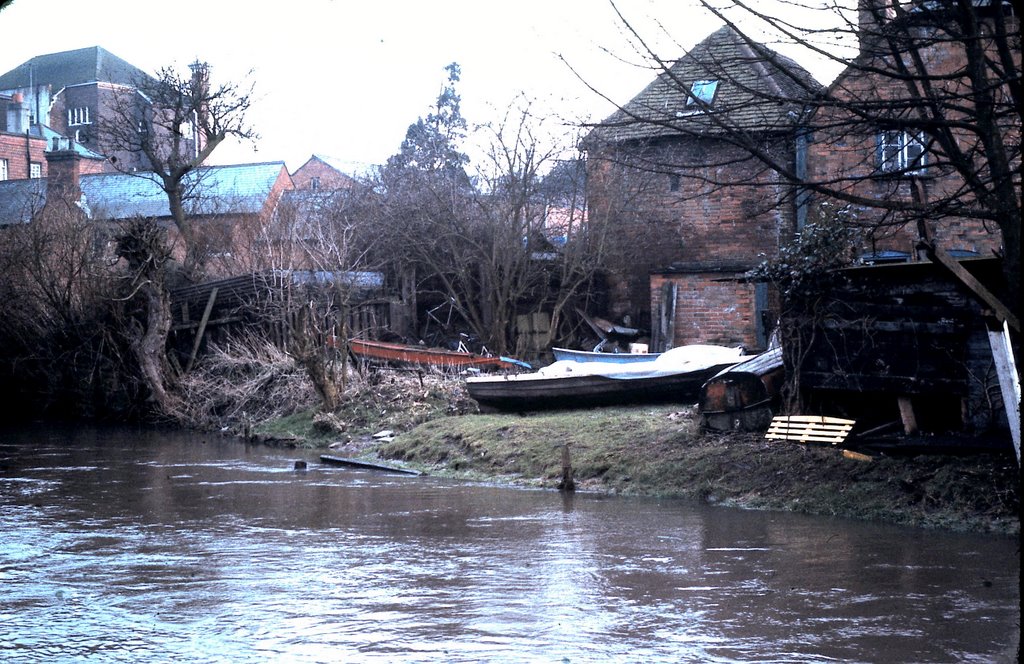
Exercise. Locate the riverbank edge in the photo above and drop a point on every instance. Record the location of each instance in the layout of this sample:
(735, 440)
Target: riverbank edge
(660, 452)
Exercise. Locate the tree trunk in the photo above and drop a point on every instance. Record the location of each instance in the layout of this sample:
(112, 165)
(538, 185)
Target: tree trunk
(150, 347)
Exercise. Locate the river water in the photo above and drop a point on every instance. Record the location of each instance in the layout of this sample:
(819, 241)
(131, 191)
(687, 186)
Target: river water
(134, 545)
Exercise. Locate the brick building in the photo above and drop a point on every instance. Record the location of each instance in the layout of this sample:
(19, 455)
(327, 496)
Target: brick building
(694, 211)
(72, 93)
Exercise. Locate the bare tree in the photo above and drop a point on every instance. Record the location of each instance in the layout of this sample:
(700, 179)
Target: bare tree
(920, 132)
(175, 122)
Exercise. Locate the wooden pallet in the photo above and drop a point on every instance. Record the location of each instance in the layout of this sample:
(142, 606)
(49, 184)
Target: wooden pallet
(809, 429)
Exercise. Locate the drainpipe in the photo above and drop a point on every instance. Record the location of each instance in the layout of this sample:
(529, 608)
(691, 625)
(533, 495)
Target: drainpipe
(803, 196)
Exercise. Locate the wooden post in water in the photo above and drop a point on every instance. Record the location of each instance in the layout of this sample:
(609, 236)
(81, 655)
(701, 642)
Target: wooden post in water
(567, 483)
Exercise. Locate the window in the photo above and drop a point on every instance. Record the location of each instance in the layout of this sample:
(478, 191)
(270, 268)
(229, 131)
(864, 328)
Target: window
(35, 170)
(78, 116)
(673, 182)
(314, 183)
(3, 169)
(702, 90)
(902, 152)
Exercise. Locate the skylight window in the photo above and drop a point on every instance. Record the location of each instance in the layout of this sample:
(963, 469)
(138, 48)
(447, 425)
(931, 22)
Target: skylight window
(702, 90)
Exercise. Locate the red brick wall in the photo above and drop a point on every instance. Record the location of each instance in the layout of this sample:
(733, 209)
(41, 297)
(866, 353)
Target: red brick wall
(19, 151)
(725, 215)
(327, 177)
(710, 309)
(845, 152)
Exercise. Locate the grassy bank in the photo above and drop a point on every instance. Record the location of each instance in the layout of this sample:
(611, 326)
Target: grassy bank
(660, 451)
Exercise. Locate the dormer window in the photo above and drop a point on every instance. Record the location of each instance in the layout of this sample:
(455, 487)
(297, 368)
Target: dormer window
(703, 91)
(78, 116)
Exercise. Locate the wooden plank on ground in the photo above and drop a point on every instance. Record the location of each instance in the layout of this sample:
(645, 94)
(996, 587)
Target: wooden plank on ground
(809, 429)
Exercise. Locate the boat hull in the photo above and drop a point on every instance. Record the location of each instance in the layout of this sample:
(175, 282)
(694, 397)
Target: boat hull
(380, 351)
(595, 356)
(524, 392)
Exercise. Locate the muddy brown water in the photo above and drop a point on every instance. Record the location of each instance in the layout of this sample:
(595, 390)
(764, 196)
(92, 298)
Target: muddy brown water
(119, 544)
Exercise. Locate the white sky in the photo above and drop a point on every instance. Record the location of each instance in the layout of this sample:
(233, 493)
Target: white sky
(345, 78)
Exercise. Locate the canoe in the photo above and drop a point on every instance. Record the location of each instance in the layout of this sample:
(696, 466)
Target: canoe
(381, 351)
(675, 376)
(597, 356)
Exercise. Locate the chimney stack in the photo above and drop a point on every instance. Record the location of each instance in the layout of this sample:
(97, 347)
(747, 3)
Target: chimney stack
(64, 170)
(17, 114)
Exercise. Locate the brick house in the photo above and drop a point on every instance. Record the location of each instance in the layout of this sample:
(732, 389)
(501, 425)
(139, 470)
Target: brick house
(319, 174)
(869, 138)
(694, 210)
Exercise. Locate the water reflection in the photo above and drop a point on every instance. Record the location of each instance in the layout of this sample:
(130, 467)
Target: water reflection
(127, 545)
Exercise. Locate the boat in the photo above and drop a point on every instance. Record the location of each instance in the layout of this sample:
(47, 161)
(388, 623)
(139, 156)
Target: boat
(395, 353)
(745, 396)
(600, 356)
(675, 376)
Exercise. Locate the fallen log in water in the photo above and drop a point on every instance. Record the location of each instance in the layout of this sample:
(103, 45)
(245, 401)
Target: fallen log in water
(368, 465)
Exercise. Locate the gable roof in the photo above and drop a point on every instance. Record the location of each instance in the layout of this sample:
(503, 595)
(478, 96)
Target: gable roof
(756, 91)
(235, 189)
(83, 65)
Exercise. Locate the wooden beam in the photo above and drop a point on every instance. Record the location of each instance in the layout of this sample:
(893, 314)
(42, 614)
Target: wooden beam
(1009, 382)
(202, 329)
(939, 255)
(907, 415)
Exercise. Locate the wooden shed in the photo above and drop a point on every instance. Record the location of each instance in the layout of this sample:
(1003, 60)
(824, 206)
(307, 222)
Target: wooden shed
(906, 344)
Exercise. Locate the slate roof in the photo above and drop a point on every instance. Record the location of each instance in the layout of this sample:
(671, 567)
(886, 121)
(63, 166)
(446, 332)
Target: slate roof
(756, 92)
(235, 189)
(20, 200)
(83, 65)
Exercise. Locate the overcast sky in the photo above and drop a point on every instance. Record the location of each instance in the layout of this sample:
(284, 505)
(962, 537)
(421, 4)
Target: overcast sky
(345, 78)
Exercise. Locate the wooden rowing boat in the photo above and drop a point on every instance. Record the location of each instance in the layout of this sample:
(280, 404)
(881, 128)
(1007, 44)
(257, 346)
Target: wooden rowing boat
(394, 353)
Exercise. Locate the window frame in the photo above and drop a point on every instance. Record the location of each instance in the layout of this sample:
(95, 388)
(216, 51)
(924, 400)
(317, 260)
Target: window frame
(79, 115)
(5, 171)
(901, 152)
(35, 170)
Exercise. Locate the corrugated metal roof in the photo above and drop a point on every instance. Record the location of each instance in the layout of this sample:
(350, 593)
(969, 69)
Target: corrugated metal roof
(756, 92)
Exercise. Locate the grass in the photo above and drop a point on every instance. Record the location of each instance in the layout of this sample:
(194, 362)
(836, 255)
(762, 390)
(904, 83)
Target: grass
(659, 451)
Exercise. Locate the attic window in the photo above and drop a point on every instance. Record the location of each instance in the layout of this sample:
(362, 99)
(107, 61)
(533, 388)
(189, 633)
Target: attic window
(702, 90)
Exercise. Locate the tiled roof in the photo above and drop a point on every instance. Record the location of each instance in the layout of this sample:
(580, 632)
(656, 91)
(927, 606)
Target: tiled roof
(756, 91)
(83, 65)
(236, 189)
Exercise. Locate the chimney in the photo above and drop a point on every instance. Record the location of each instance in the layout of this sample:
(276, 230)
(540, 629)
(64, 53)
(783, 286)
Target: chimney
(871, 16)
(63, 172)
(17, 114)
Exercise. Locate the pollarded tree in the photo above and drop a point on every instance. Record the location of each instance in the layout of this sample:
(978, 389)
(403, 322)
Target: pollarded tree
(175, 122)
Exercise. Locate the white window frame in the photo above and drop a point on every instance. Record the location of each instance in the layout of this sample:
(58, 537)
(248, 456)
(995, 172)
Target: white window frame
(5, 172)
(35, 170)
(902, 152)
(78, 116)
